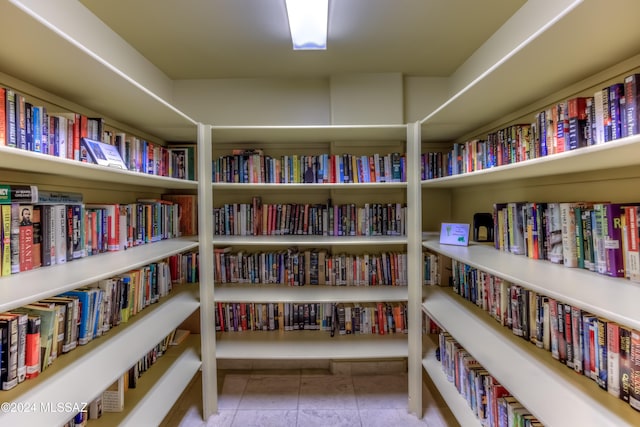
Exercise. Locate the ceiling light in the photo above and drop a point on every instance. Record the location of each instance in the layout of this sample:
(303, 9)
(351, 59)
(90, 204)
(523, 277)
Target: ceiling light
(308, 23)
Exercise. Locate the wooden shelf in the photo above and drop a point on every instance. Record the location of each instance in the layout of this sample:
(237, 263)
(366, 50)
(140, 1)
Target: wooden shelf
(309, 240)
(158, 388)
(26, 287)
(28, 161)
(612, 298)
(307, 134)
(611, 155)
(308, 345)
(454, 400)
(82, 374)
(308, 293)
(555, 394)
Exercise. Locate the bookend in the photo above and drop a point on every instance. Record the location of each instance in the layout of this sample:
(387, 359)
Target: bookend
(483, 227)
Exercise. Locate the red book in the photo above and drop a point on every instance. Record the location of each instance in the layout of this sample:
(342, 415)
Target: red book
(26, 238)
(32, 347)
(381, 318)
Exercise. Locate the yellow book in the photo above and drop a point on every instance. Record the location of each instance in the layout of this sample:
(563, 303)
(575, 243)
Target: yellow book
(5, 248)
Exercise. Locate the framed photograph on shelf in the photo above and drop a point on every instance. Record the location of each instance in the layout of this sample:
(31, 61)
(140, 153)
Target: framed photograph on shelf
(102, 154)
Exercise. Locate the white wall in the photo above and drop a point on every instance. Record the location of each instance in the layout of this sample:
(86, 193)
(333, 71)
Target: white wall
(346, 99)
(255, 101)
(374, 98)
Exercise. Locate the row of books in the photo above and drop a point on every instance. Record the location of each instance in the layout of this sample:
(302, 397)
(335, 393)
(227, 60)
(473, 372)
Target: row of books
(35, 335)
(601, 237)
(436, 269)
(489, 400)
(257, 218)
(42, 228)
(31, 127)
(295, 267)
(336, 318)
(113, 398)
(253, 166)
(611, 113)
(600, 349)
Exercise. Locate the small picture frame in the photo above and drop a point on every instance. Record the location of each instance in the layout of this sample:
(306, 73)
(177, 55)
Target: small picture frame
(103, 154)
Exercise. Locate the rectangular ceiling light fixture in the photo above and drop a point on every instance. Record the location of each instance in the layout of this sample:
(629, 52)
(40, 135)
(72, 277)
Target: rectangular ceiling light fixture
(308, 22)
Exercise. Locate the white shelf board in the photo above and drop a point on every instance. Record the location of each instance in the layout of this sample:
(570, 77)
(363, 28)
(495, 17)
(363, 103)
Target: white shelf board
(454, 400)
(28, 161)
(520, 77)
(158, 388)
(29, 286)
(84, 373)
(307, 187)
(613, 298)
(308, 345)
(309, 240)
(555, 394)
(610, 155)
(307, 293)
(133, 92)
(307, 134)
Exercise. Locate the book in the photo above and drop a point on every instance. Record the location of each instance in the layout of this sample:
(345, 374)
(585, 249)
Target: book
(613, 358)
(32, 346)
(18, 194)
(624, 351)
(634, 370)
(5, 240)
(26, 238)
(9, 358)
(187, 212)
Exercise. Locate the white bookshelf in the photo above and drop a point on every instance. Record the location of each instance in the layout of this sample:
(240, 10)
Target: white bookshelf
(309, 240)
(84, 373)
(308, 293)
(507, 81)
(555, 394)
(298, 345)
(612, 298)
(25, 287)
(612, 155)
(454, 400)
(308, 187)
(74, 68)
(159, 388)
(27, 161)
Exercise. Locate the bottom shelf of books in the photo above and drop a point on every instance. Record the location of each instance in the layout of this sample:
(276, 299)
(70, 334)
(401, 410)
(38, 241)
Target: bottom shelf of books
(555, 394)
(84, 373)
(455, 401)
(156, 391)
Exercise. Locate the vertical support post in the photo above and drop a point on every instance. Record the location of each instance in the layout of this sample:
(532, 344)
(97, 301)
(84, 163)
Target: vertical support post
(205, 238)
(414, 251)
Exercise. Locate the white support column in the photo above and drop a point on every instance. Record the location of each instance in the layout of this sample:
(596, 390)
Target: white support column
(414, 251)
(205, 237)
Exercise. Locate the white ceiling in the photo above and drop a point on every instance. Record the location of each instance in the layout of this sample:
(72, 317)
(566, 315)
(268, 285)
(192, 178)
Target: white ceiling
(198, 39)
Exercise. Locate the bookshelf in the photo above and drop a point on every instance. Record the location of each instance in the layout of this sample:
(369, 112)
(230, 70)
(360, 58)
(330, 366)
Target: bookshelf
(518, 87)
(313, 140)
(68, 69)
(555, 394)
(159, 387)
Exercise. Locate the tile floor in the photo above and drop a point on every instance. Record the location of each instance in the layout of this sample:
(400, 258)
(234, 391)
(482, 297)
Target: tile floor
(296, 398)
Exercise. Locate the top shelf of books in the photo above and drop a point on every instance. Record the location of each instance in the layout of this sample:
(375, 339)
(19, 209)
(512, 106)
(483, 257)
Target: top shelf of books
(610, 155)
(507, 75)
(307, 134)
(28, 161)
(89, 65)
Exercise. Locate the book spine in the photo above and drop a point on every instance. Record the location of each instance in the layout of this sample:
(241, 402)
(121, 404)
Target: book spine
(634, 370)
(5, 266)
